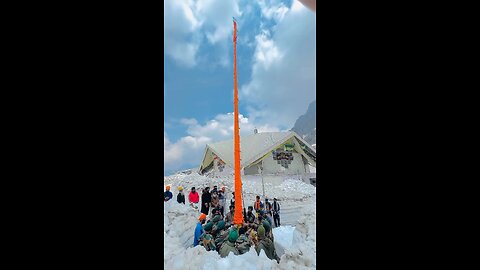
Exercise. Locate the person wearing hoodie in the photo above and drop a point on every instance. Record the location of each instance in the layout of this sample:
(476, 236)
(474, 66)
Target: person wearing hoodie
(180, 196)
(167, 195)
(265, 244)
(229, 246)
(199, 229)
(193, 197)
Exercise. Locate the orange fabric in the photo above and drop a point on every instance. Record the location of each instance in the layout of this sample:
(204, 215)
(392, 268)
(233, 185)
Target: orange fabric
(238, 215)
(257, 205)
(202, 216)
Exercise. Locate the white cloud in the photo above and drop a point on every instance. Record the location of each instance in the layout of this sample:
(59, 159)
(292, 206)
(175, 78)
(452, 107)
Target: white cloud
(283, 76)
(187, 151)
(180, 23)
(273, 9)
(217, 16)
(188, 22)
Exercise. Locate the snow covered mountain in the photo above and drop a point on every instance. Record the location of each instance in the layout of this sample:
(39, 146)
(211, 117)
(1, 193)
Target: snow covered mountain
(306, 125)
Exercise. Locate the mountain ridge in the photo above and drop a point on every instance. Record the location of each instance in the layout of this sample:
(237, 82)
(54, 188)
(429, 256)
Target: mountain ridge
(306, 124)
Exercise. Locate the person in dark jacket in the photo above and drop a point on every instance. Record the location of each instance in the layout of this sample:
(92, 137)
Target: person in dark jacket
(268, 207)
(222, 200)
(214, 190)
(180, 196)
(167, 195)
(206, 200)
(232, 200)
(276, 212)
(250, 215)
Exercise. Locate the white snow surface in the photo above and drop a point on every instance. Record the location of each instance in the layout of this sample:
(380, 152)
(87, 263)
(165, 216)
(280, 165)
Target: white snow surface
(283, 235)
(294, 240)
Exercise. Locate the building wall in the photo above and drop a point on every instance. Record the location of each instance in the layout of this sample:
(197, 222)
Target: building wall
(270, 166)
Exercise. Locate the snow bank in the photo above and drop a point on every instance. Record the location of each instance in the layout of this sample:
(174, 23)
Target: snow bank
(288, 189)
(298, 242)
(302, 253)
(283, 235)
(179, 253)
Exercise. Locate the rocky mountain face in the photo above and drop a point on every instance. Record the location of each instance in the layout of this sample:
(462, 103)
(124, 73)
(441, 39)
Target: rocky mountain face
(306, 125)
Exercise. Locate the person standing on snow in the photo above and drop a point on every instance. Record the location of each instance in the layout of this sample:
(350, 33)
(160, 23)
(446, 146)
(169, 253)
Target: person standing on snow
(199, 229)
(193, 197)
(232, 201)
(180, 196)
(206, 200)
(167, 195)
(215, 204)
(214, 190)
(258, 205)
(222, 200)
(268, 207)
(276, 212)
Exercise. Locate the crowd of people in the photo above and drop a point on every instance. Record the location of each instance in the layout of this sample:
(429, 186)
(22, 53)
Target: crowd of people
(216, 231)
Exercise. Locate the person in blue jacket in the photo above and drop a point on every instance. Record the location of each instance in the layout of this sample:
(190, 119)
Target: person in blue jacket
(167, 194)
(199, 229)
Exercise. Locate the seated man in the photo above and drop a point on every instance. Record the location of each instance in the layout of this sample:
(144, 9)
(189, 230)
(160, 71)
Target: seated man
(266, 245)
(229, 246)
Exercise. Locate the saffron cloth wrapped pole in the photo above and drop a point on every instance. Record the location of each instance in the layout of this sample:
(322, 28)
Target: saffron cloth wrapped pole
(238, 215)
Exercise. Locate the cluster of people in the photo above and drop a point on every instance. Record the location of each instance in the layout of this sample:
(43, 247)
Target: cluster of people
(216, 230)
(214, 199)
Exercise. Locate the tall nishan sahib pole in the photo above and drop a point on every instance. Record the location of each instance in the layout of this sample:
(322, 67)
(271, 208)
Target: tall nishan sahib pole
(238, 215)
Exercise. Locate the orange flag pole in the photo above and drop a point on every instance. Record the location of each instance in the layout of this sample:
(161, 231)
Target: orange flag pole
(238, 215)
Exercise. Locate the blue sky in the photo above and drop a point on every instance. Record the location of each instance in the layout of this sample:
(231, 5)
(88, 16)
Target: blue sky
(275, 64)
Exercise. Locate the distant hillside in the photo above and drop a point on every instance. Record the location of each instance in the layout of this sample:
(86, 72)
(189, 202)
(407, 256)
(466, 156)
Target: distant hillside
(306, 125)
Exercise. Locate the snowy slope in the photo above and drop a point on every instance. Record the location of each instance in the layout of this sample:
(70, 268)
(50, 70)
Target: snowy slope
(295, 244)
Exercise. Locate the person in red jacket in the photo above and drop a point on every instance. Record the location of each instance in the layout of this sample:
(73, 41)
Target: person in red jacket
(193, 197)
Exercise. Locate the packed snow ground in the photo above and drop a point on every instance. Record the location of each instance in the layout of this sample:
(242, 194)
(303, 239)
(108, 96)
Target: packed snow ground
(294, 240)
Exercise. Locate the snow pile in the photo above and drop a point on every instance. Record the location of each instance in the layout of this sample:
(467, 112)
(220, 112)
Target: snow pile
(199, 258)
(297, 188)
(302, 253)
(283, 235)
(288, 189)
(179, 253)
(179, 222)
(296, 244)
